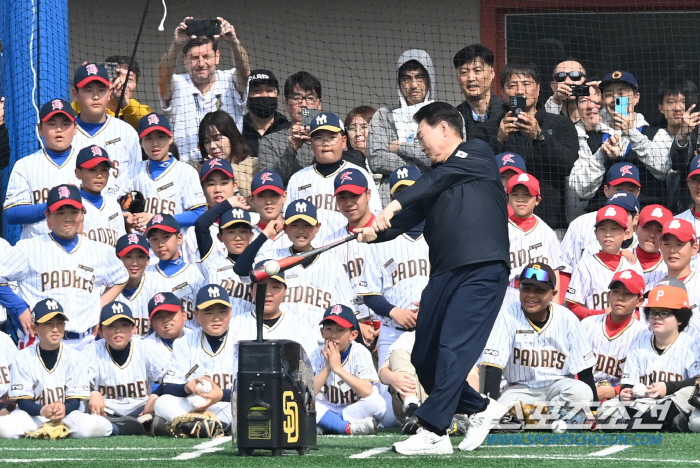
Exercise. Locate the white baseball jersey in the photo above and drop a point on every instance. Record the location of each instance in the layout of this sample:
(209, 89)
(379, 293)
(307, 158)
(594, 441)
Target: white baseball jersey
(337, 394)
(8, 351)
(218, 269)
(310, 185)
(4, 250)
(43, 269)
(353, 256)
(399, 270)
(31, 179)
(692, 286)
(124, 388)
(271, 246)
(589, 285)
(689, 216)
(138, 302)
(406, 342)
(314, 288)
(680, 361)
(537, 357)
(194, 349)
(32, 380)
(581, 234)
(160, 353)
(611, 351)
(123, 146)
(105, 224)
(653, 273)
(176, 190)
(190, 249)
(185, 284)
(288, 327)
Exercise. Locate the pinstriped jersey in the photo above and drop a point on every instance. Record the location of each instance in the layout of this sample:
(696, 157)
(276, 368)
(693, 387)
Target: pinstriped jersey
(271, 246)
(190, 250)
(288, 327)
(106, 224)
(160, 353)
(692, 286)
(8, 351)
(176, 190)
(581, 234)
(185, 284)
(537, 357)
(336, 393)
(654, 273)
(123, 146)
(399, 270)
(679, 361)
(31, 379)
(31, 179)
(312, 186)
(138, 303)
(218, 269)
(689, 216)
(589, 285)
(43, 269)
(611, 351)
(124, 388)
(4, 249)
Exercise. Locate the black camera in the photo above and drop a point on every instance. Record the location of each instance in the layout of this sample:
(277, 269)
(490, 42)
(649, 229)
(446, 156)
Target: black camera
(517, 104)
(580, 90)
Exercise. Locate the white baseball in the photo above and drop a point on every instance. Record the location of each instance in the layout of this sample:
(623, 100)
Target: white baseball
(204, 386)
(558, 427)
(639, 390)
(196, 401)
(272, 267)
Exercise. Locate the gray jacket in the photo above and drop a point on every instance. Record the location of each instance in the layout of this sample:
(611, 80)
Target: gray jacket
(276, 155)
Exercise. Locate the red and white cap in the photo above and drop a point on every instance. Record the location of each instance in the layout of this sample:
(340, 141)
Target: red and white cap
(633, 281)
(529, 181)
(680, 228)
(613, 213)
(657, 213)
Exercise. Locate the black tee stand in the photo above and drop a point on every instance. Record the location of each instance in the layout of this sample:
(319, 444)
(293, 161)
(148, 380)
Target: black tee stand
(261, 291)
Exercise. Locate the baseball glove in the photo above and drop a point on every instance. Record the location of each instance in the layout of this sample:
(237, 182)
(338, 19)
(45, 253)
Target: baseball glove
(196, 426)
(694, 399)
(47, 431)
(531, 416)
(133, 202)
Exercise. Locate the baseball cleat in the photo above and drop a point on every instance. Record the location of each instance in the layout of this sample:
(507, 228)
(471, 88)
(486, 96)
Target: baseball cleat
(424, 442)
(128, 425)
(694, 399)
(481, 423)
(367, 426)
(411, 425)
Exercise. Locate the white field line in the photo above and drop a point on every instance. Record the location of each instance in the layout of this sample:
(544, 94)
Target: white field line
(370, 452)
(609, 451)
(210, 446)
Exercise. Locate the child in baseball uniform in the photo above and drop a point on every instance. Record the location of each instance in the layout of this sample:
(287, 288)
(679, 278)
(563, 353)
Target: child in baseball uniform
(91, 86)
(49, 381)
(172, 273)
(70, 268)
(588, 290)
(651, 221)
(347, 398)
(133, 250)
(539, 347)
(610, 335)
(33, 176)
(104, 221)
(531, 239)
(661, 368)
(268, 198)
(169, 186)
(8, 351)
(211, 348)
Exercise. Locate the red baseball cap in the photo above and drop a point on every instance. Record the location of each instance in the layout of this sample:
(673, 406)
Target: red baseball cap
(680, 228)
(613, 213)
(633, 281)
(657, 213)
(532, 184)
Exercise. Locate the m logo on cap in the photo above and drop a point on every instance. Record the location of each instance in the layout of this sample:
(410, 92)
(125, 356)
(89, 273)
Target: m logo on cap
(237, 213)
(63, 192)
(626, 275)
(523, 178)
(157, 219)
(91, 69)
(402, 173)
(507, 158)
(266, 177)
(96, 150)
(611, 211)
(321, 119)
(675, 224)
(624, 170)
(117, 309)
(657, 213)
(300, 207)
(153, 119)
(56, 104)
(337, 309)
(213, 292)
(158, 298)
(133, 238)
(345, 176)
(52, 305)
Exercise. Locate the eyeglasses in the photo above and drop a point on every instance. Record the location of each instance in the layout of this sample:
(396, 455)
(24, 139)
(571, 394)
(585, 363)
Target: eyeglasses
(662, 314)
(319, 140)
(310, 99)
(574, 75)
(358, 128)
(537, 273)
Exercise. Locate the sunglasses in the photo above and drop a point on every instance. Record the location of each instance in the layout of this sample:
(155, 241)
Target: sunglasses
(574, 75)
(536, 273)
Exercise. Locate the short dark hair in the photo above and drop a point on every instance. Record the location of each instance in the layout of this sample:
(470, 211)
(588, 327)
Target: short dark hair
(305, 80)
(519, 68)
(408, 66)
(472, 52)
(436, 112)
(224, 123)
(682, 315)
(124, 60)
(676, 85)
(200, 41)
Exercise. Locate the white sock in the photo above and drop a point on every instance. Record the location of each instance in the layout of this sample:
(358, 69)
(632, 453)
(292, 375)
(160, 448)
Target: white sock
(410, 400)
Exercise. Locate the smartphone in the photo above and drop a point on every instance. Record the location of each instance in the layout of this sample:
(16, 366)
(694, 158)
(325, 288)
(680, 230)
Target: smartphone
(203, 27)
(517, 104)
(307, 116)
(111, 69)
(692, 99)
(621, 105)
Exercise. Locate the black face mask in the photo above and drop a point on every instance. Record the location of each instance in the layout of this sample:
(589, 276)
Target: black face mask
(264, 106)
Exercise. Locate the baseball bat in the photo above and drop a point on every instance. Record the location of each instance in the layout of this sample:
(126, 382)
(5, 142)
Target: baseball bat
(131, 61)
(286, 263)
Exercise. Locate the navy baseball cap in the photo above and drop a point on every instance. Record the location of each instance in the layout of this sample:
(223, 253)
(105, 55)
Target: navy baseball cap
(619, 77)
(511, 161)
(405, 175)
(212, 294)
(165, 222)
(163, 301)
(152, 122)
(129, 242)
(342, 315)
(234, 216)
(46, 310)
(262, 77)
(64, 194)
(694, 166)
(625, 200)
(91, 72)
(267, 180)
(56, 106)
(301, 209)
(114, 311)
(279, 276)
(350, 180)
(624, 172)
(216, 164)
(91, 156)
(326, 121)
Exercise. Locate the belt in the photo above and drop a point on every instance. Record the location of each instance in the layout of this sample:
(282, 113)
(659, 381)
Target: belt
(76, 336)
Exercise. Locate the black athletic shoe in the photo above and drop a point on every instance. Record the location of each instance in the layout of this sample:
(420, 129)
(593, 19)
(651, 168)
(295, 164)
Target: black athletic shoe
(411, 425)
(128, 425)
(159, 427)
(679, 423)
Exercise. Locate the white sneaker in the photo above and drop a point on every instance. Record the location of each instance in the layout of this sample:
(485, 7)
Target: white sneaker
(424, 442)
(481, 423)
(365, 426)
